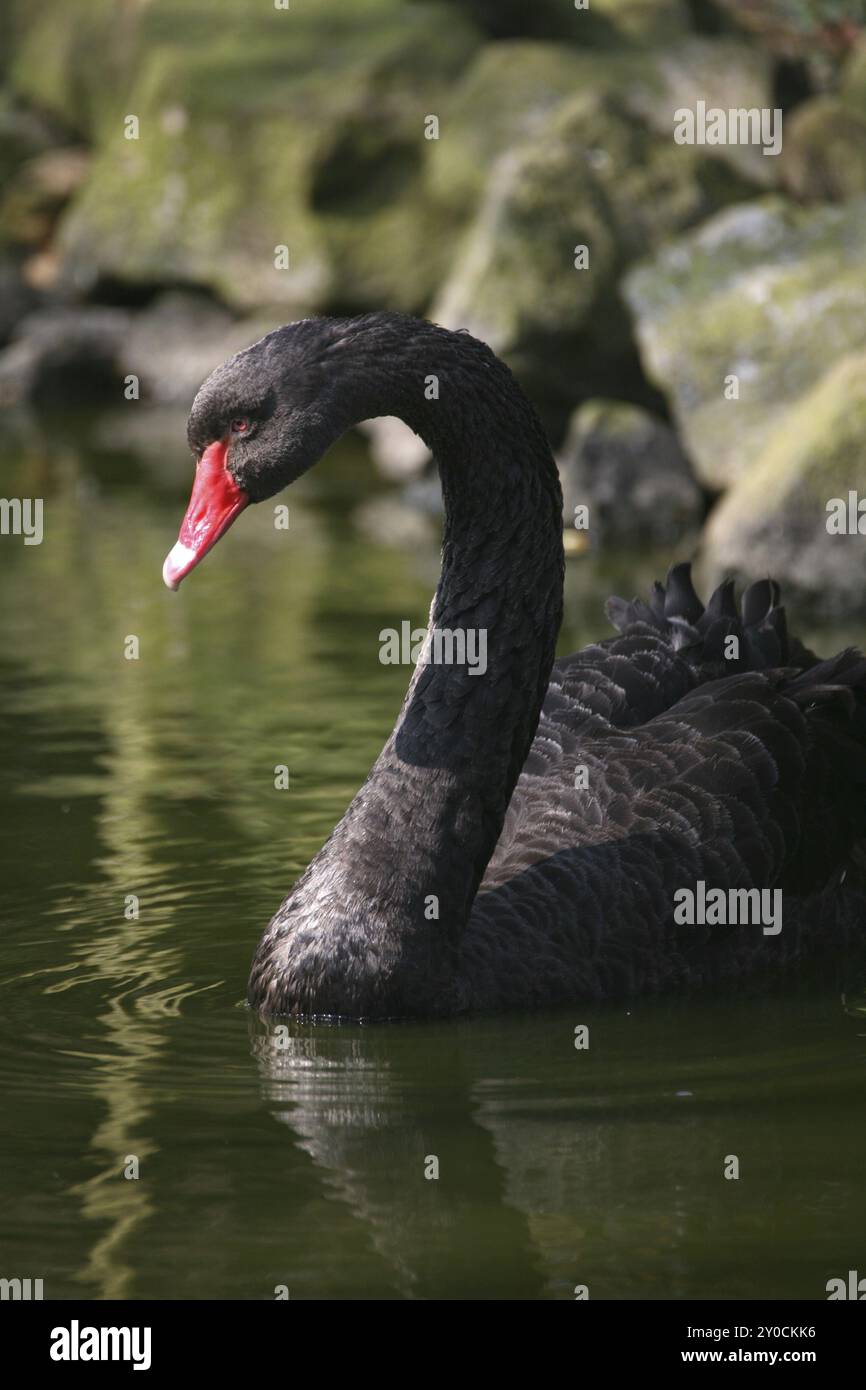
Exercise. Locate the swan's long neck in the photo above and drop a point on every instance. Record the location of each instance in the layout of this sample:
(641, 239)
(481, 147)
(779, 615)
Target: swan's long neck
(376, 919)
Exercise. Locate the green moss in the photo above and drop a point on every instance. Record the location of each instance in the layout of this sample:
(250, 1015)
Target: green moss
(768, 293)
(261, 128)
(589, 173)
(505, 97)
(73, 60)
(824, 155)
(650, 21)
(83, 58)
(774, 519)
(852, 86)
(818, 448)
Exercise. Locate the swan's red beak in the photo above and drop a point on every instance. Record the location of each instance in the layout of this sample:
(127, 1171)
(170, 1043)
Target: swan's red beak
(215, 502)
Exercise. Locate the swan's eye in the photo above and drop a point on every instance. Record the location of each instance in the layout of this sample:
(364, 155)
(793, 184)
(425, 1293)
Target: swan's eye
(240, 426)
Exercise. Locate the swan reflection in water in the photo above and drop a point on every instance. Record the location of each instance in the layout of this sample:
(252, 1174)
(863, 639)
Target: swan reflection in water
(559, 1167)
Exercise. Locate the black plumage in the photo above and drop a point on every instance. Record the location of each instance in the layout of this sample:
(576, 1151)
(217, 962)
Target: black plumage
(474, 869)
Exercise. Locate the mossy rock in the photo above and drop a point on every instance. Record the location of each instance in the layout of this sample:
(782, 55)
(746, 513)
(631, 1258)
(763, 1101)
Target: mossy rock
(39, 189)
(259, 129)
(74, 60)
(775, 519)
(757, 302)
(590, 176)
(511, 89)
(646, 21)
(507, 94)
(628, 468)
(852, 84)
(824, 153)
(554, 147)
(722, 72)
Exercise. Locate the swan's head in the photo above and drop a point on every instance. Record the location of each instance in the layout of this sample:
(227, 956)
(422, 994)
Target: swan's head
(258, 422)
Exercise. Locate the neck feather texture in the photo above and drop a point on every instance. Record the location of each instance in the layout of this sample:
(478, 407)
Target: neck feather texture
(373, 926)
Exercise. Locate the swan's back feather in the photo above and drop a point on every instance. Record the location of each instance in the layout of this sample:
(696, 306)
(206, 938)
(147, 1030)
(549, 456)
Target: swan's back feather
(755, 778)
(663, 650)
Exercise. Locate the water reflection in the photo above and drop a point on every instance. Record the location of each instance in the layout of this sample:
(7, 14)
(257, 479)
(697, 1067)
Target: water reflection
(559, 1168)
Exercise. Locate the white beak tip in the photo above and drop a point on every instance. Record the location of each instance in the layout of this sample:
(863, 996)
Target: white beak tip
(177, 564)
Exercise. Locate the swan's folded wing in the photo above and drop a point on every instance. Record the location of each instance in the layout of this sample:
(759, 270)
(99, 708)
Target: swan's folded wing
(664, 650)
(758, 781)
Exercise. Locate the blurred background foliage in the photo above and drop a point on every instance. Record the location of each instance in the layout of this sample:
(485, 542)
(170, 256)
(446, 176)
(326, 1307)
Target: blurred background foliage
(307, 128)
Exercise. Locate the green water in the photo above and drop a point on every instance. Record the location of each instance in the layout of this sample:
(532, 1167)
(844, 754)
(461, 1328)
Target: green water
(300, 1161)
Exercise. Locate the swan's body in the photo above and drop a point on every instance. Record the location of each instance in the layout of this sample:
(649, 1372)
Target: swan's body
(470, 871)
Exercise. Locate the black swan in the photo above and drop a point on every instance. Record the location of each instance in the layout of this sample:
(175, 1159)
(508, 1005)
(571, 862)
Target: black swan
(530, 834)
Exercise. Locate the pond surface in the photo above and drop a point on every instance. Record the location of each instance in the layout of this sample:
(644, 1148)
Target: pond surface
(299, 1159)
